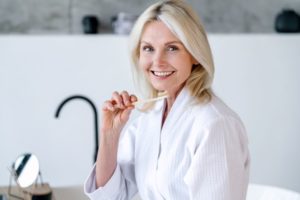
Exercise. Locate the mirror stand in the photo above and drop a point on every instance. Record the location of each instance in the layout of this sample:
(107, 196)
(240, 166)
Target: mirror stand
(36, 191)
(10, 193)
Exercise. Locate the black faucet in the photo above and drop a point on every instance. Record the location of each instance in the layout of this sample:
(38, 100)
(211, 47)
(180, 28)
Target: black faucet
(95, 116)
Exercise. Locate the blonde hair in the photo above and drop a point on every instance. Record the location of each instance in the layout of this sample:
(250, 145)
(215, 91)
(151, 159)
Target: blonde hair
(185, 24)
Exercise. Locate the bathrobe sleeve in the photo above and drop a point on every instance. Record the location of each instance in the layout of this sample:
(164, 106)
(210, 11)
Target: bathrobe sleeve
(220, 161)
(122, 184)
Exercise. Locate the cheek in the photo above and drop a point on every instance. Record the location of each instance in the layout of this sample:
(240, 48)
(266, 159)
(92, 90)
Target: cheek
(184, 65)
(144, 64)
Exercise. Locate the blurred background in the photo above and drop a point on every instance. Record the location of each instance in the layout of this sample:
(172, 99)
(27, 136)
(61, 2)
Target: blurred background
(52, 50)
(65, 16)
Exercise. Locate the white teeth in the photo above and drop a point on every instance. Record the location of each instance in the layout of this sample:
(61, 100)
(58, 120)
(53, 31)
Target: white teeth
(162, 74)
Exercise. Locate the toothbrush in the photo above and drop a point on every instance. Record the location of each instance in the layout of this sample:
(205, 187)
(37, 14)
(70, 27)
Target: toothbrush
(162, 95)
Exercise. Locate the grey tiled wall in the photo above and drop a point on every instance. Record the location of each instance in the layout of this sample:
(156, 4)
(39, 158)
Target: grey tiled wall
(64, 16)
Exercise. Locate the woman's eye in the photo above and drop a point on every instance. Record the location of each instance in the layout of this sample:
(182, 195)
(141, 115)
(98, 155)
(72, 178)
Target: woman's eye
(147, 48)
(172, 48)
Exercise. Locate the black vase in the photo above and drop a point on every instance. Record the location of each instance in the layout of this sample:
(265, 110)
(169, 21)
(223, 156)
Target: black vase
(288, 21)
(90, 24)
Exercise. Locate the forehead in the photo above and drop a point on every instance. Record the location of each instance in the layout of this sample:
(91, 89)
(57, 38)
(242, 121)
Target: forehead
(157, 31)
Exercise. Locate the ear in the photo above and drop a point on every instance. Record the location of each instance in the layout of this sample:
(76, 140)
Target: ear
(195, 62)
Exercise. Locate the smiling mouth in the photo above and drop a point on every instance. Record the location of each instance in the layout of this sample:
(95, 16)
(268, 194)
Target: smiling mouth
(162, 73)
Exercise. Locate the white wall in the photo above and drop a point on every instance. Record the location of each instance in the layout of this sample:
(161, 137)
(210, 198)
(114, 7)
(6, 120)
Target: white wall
(257, 75)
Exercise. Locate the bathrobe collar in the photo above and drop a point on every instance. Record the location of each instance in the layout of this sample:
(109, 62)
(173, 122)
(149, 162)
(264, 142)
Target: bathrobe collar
(182, 102)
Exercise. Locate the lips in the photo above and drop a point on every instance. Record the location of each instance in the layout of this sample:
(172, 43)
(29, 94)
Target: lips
(162, 73)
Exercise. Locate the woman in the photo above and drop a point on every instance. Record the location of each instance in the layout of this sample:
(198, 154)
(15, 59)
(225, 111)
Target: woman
(187, 146)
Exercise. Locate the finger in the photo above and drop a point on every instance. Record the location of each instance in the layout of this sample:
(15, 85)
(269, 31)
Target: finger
(133, 98)
(125, 98)
(108, 106)
(117, 98)
(126, 113)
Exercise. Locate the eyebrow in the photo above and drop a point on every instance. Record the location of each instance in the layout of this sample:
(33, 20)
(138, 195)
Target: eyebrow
(167, 43)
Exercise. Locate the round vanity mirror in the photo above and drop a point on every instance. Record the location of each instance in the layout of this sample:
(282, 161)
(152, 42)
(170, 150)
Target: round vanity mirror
(26, 169)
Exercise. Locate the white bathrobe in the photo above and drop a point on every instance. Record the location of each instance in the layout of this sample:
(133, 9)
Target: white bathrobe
(201, 152)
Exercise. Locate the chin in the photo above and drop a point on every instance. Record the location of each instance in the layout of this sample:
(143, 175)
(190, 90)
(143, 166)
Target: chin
(159, 87)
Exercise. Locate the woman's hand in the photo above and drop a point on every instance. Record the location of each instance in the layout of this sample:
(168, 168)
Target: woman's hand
(116, 112)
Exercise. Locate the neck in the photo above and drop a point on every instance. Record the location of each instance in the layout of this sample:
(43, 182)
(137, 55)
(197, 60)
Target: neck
(169, 103)
(172, 95)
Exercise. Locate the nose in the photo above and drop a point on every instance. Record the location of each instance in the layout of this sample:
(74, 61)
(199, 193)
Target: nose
(159, 58)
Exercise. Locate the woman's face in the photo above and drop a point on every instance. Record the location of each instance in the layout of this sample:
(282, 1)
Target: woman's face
(163, 58)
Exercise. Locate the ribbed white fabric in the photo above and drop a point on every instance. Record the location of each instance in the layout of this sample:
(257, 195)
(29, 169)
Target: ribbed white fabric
(200, 153)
